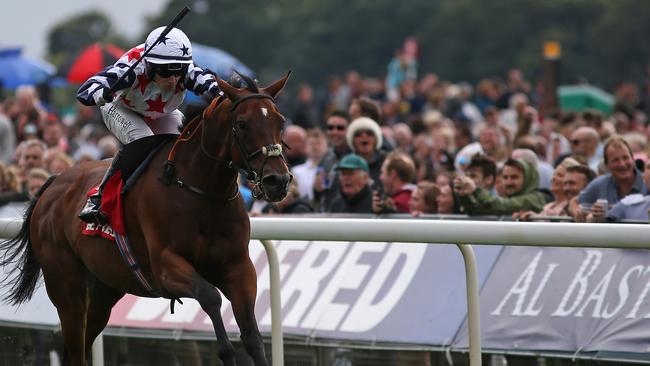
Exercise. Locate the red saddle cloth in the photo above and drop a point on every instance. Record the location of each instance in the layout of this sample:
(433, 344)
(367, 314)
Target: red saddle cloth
(112, 206)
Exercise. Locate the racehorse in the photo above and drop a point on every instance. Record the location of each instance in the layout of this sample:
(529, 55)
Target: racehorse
(187, 237)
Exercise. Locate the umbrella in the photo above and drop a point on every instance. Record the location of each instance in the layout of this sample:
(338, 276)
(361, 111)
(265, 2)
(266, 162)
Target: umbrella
(218, 61)
(16, 69)
(92, 60)
(580, 97)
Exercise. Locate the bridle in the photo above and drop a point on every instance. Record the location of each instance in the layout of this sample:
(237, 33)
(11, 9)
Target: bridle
(268, 151)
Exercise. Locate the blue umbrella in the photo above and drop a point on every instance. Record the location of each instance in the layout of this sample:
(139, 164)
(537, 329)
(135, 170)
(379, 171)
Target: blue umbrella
(16, 70)
(218, 61)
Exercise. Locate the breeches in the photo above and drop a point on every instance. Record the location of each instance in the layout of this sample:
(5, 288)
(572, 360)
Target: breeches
(128, 126)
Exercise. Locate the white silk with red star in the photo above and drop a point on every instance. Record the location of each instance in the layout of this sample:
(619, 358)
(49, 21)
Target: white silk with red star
(143, 95)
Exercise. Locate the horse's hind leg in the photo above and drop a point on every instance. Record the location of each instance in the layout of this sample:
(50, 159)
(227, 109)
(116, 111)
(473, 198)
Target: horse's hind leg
(241, 290)
(102, 299)
(180, 279)
(65, 281)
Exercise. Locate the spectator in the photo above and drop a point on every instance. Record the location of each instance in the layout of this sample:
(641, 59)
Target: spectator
(27, 113)
(30, 155)
(403, 137)
(584, 143)
(57, 161)
(326, 183)
(447, 201)
(295, 137)
(558, 207)
(397, 173)
(305, 112)
(293, 203)
(54, 136)
(483, 171)
(623, 179)
(575, 180)
(364, 138)
(364, 107)
(337, 125)
(8, 180)
(489, 143)
(35, 179)
(7, 139)
(355, 195)
(520, 181)
(544, 169)
(634, 206)
(424, 199)
(305, 174)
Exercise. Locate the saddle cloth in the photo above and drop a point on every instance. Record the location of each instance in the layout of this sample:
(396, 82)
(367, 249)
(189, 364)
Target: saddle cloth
(139, 154)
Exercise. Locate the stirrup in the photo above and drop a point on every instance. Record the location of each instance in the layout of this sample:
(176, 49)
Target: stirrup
(91, 213)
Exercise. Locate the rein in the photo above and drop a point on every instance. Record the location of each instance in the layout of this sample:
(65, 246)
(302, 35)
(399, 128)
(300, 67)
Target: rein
(271, 150)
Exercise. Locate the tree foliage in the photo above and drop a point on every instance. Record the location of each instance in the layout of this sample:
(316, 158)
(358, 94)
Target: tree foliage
(67, 39)
(602, 41)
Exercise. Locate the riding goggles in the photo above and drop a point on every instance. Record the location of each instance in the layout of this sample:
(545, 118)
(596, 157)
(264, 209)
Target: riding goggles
(167, 70)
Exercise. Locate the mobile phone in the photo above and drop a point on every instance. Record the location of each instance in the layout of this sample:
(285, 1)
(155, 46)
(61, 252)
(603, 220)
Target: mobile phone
(378, 188)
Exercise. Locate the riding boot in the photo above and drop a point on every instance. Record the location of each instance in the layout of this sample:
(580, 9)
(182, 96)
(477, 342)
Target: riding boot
(91, 213)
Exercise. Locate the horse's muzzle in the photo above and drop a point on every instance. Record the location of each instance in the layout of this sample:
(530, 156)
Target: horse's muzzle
(276, 186)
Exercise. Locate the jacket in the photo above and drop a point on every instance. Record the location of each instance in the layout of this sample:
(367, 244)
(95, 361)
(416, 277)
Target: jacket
(482, 202)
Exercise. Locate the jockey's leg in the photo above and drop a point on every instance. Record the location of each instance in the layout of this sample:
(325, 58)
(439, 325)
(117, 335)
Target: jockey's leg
(92, 210)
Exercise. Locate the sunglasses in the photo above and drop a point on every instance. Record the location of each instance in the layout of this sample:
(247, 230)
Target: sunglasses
(335, 127)
(168, 70)
(364, 132)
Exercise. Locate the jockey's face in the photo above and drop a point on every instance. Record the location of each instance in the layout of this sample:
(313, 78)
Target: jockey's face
(166, 76)
(166, 84)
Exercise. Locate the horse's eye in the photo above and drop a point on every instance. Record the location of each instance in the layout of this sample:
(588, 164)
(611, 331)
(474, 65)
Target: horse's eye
(242, 125)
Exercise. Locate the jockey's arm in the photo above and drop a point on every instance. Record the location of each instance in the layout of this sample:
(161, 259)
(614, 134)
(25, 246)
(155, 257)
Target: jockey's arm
(202, 82)
(110, 75)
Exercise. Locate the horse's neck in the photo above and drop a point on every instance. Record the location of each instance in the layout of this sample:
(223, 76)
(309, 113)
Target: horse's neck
(206, 172)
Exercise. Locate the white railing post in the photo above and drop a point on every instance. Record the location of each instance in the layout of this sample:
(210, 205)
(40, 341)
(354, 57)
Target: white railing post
(473, 307)
(277, 338)
(98, 350)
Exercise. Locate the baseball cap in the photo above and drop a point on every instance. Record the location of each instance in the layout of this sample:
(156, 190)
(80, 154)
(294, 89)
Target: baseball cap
(352, 161)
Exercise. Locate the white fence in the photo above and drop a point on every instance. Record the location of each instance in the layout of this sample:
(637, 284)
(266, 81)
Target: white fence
(427, 231)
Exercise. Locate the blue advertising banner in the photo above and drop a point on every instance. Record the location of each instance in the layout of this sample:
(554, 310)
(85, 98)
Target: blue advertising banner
(367, 292)
(566, 299)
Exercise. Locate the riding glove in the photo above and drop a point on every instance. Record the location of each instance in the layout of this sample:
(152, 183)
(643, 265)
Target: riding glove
(102, 96)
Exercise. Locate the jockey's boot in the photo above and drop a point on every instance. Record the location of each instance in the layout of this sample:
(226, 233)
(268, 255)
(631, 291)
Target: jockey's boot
(92, 213)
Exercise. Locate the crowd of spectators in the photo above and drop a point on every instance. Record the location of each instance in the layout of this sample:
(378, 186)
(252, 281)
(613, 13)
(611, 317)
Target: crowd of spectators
(403, 144)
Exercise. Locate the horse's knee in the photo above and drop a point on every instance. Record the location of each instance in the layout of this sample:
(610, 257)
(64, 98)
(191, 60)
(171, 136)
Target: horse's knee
(208, 296)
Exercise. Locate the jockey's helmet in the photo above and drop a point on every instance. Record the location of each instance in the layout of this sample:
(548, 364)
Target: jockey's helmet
(175, 48)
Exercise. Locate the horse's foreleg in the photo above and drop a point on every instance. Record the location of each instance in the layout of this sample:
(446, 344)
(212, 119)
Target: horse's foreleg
(102, 299)
(243, 306)
(181, 280)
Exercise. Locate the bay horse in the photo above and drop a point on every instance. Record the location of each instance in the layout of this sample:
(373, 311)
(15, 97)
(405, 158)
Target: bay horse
(186, 241)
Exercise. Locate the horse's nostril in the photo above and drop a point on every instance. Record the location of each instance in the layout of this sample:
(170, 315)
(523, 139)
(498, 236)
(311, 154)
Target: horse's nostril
(276, 181)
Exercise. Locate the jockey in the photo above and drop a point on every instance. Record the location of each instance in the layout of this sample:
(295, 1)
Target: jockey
(146, 100)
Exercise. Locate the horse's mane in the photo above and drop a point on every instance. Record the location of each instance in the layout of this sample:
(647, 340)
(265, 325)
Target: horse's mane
(250, 84)
(193, 110)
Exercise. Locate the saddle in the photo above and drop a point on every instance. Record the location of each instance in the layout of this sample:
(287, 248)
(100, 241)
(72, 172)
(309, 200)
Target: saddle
(137, 156)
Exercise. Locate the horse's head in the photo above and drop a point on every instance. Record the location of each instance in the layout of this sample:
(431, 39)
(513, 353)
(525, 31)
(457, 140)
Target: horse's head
(257, 136)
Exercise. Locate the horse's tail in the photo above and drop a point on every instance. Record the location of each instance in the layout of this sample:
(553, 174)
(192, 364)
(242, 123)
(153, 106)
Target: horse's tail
(22, 277)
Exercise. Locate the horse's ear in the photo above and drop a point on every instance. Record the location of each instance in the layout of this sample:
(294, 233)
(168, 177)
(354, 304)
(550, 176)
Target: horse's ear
(276, 87)
(231, 92)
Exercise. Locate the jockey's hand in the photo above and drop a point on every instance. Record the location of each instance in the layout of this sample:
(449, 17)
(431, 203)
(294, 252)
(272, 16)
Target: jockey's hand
(102, 96)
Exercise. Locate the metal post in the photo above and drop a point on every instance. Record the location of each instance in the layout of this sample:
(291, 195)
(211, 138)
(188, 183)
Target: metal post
(98, 350)
(473, 308)
(277, 341)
